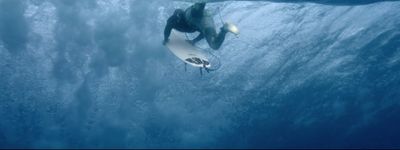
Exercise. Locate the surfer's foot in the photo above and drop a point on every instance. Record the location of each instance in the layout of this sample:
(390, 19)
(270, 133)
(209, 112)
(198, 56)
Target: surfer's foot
(228, 27)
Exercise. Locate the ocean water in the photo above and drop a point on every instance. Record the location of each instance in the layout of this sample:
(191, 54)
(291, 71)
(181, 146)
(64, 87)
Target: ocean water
(94, 74)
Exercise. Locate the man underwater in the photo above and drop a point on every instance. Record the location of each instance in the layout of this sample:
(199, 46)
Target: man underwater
(196, 18)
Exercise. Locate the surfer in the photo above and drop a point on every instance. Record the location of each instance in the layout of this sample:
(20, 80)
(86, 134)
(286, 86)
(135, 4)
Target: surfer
(196, 18)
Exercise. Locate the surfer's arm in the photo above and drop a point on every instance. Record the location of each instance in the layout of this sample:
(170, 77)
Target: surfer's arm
(167, 30)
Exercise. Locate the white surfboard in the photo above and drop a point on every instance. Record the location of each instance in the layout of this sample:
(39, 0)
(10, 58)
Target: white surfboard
(185, 51)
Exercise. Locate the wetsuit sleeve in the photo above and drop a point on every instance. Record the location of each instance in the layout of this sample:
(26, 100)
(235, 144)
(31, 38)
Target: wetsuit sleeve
(168, 29)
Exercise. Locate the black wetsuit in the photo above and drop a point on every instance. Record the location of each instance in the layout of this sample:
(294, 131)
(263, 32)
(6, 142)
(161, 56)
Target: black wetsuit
(193, 19)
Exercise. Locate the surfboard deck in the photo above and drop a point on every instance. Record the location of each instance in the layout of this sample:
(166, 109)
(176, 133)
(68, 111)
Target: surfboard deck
(185, 51)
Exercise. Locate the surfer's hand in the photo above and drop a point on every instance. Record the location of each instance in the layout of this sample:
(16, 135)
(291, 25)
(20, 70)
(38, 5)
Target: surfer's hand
(165, 41)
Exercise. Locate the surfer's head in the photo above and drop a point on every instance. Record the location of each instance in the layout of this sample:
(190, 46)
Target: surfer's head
(179, 13)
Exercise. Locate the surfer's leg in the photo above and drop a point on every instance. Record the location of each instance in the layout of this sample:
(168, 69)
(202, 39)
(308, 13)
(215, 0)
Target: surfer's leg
(213, 39)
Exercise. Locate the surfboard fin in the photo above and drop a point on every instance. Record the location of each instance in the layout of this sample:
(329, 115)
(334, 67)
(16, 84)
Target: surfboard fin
(185, 67)
(205, 68)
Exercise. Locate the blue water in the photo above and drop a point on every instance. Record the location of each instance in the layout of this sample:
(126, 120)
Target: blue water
(94, 74)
